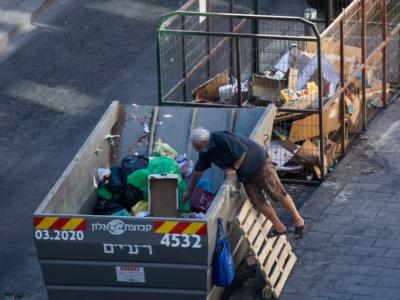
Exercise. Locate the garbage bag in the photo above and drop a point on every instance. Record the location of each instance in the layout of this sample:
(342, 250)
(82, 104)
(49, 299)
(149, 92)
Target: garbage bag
(114, 182)
(141, 206)
(204, 184)
(159, 165)
(103, 194)
(132, 195)
(163, 149)
(132, 163)
(185, 165)
(107, 208)
(122, 213)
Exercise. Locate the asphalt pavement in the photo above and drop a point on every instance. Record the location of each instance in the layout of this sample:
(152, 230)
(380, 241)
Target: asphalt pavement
(53, 91)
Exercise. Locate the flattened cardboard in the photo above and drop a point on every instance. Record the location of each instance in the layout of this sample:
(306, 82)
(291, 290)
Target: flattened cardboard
(375, 91)
(163, 195)
(353, 57)
(309, 127)
(297, 158)
(310, 151)
(209, 90)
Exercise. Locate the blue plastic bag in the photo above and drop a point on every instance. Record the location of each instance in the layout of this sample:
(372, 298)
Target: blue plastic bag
(223, 267)
(204, 184)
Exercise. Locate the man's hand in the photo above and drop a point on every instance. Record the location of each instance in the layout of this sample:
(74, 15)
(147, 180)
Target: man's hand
(186, 196)
(229, 171)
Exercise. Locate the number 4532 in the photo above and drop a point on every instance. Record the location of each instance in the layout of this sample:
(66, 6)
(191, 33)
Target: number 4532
(182, 240)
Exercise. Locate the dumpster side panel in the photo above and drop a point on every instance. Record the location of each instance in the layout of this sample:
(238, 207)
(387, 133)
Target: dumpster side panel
(134, 124)
(100, 273)
(263, 131)
(107, 293)
(75, 185)
(108, 238)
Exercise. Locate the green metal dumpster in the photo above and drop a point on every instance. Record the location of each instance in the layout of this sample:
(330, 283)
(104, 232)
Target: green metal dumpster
(85, 256)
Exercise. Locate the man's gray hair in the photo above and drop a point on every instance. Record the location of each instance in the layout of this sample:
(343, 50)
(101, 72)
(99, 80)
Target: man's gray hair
(199, 135)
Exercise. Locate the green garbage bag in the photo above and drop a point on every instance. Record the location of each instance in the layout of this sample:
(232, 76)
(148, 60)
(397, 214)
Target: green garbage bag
(159, 165)
(104, 194)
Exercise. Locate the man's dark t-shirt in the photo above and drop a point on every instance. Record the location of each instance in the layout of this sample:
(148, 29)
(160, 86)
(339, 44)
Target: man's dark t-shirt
(226, 148)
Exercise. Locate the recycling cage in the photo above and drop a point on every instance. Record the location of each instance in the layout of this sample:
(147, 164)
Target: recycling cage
(197, 50)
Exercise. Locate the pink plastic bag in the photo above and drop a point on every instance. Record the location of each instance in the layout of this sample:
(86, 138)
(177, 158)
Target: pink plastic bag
(185, 165)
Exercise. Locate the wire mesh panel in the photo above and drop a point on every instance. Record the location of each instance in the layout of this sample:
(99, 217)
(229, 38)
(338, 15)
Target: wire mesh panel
(327, 87)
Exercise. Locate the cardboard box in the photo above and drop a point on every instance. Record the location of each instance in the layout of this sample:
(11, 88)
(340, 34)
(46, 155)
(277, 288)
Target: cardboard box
(375, 91)
(209, 90)
(163, 195)
(309, 127)
(297, 158)
(268, 88)
(234, 100)
(353, 57)
(353, 109)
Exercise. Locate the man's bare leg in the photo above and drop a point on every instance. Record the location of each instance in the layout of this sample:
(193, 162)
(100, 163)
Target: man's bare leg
(268, 211)
(288, 203)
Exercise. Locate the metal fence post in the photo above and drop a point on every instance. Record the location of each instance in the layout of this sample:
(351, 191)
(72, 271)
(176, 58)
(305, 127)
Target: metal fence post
(158, 42)
(232, 52)
(239, 71)
(256, 29)
(364, 58)
(342, 79)
(384, 53)
(328, 13)
(208, 9)
(321, 109)
(184, 63)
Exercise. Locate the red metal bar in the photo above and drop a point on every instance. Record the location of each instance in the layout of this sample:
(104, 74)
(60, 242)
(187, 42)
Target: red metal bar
(384, 53)
(232, 49)
(364, 58)
(208, 9)
(342, 80)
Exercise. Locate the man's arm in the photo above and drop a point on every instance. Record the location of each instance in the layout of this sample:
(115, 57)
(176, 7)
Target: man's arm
(193, 182)
(236, 165)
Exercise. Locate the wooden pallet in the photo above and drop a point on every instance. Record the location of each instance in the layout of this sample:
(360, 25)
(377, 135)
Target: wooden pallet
(274, 256)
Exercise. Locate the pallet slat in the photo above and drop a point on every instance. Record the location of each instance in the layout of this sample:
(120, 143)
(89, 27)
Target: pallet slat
(274, 254)
(243, 213)
(279, 266)
(284, 276)
(247, 219)
(262, 237)
(266, 250)
(257, 228)
(249, 222)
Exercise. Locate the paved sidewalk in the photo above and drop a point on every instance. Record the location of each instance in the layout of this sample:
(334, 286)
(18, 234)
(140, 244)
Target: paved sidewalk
(17, 15)
(352, 247)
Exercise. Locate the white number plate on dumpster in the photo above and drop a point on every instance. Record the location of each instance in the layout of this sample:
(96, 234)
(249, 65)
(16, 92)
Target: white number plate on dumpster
(130, 274)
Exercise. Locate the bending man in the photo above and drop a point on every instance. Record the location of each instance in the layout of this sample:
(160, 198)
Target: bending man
(236, 153)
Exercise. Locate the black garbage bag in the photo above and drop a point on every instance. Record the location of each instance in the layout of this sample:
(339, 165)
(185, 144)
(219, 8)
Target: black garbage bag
(115, 183)
(107, 208)
(132, 163)
(132, 195)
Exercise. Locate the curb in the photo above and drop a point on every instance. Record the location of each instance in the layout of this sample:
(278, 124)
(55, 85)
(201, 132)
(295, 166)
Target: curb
(24, 23)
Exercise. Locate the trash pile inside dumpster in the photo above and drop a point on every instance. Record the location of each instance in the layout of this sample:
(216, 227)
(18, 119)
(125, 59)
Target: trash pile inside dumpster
(292, 83)
(151, 187)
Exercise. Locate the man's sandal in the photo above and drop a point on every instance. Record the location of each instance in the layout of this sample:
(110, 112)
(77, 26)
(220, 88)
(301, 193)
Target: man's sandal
(276, 233)
(300, 230)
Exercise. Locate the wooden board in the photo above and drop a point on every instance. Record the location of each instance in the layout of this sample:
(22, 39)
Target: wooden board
(163, 197)
(277, 251)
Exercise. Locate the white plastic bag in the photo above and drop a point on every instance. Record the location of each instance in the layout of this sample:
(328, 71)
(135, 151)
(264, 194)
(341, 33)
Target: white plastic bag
(185, 165)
